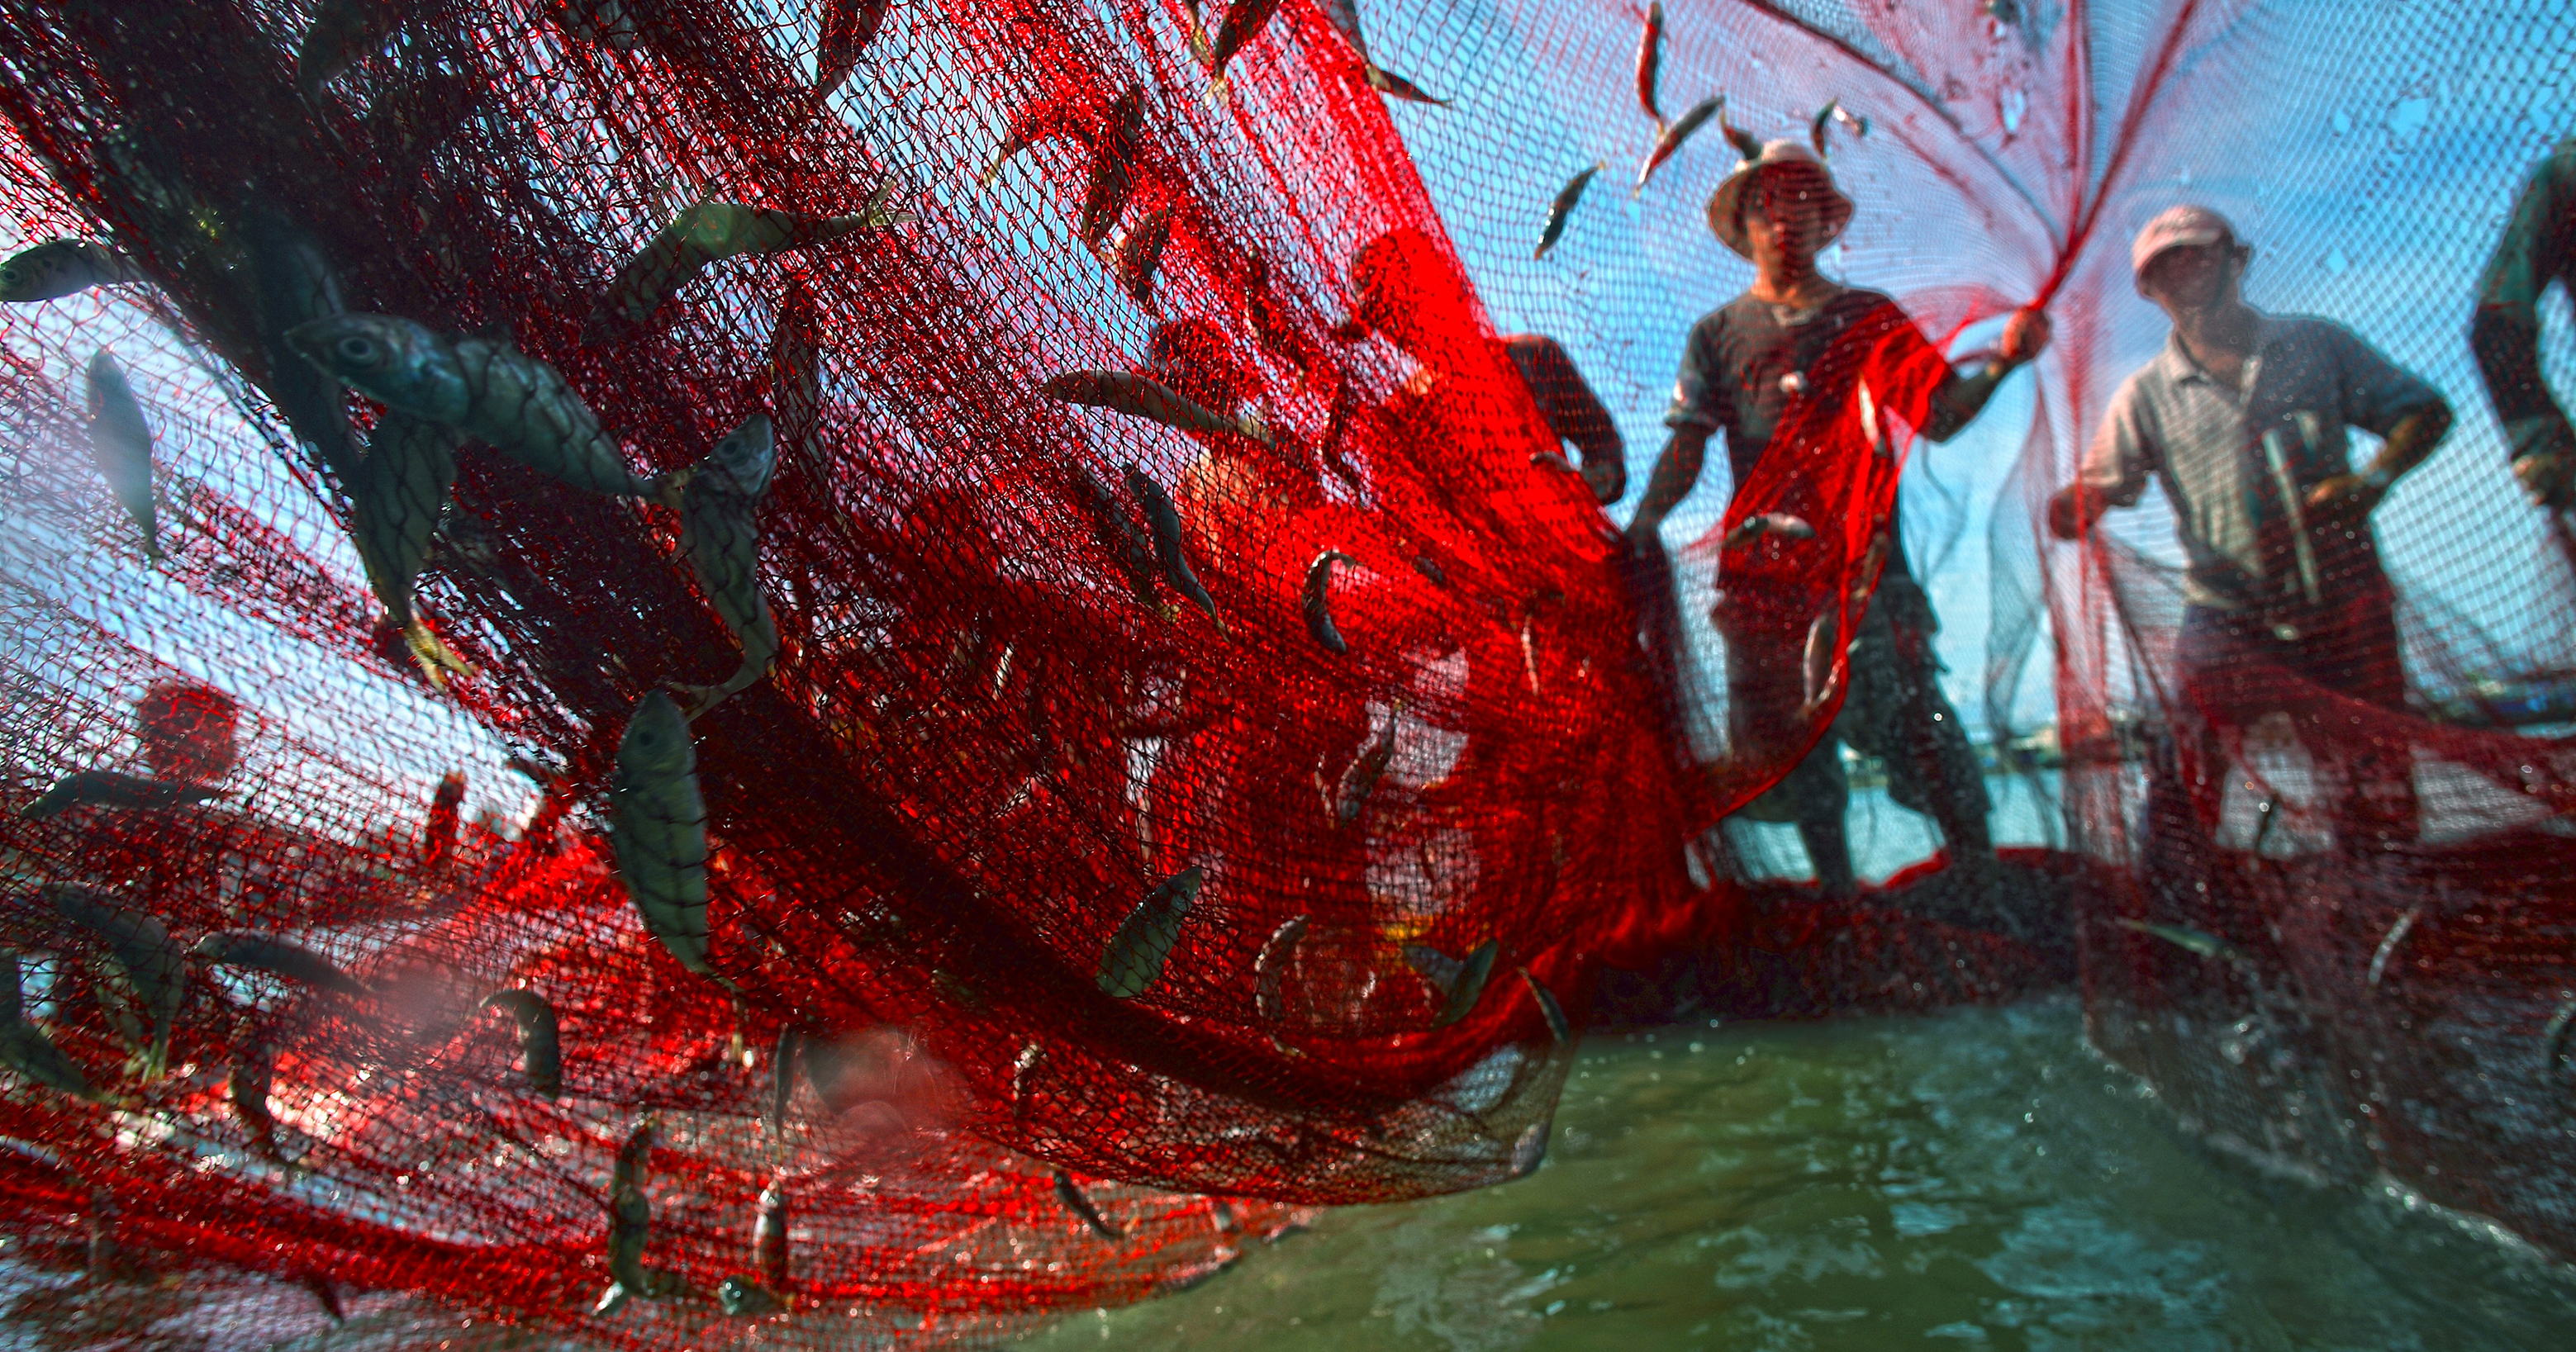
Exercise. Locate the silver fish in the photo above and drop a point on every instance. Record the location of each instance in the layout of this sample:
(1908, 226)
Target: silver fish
(743, 1298)
(121, 442)
(109, 788)
(848, 27)
(1317, 601)
(1754, 527)
(769, 1234)
(438, 837)
(1359, 778)
(1133, 959)
(605, 22)
(2553, 1038)
(1530, 1150)
(1558, 1029)
(2396, 934)
(1244, 20)
(63, 267)
(630, 1229)
(1462, 982)
(1270, 967)
(540, 1044)
(515, 403)
(24, 1047)
(1388, 82)
(1143, 397)
(140, 951)
(398, 492)
(1650, 62)
(252, 1073)
(344, 32)
(1823, 660)
(661, 829)
(1677, 131)
(296, 285)
(1023, 1067)
(1031, 126)
(1128, 545)
(796, 380)
(1344, 16)
(1747, 145)
(782, 1081)
(1562, 209)
(1140, 255)
(634, 1155)
(2189, 940)
(1170, 546)
(1820, 131)
(709, 232)
(1081, 1206)
(1113, 170)
(268, 953)
(720, 536)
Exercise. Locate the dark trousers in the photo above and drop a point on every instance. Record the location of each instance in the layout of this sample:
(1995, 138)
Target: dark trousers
(1894, 710)
(2237, 668)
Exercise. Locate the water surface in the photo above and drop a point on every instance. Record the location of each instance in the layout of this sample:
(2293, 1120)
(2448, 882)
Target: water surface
(1974, 1179)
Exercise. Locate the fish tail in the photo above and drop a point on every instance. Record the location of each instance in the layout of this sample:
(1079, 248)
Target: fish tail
(435, 659)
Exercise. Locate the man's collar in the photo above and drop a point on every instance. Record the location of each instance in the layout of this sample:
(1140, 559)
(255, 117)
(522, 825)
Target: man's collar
(2181, 369)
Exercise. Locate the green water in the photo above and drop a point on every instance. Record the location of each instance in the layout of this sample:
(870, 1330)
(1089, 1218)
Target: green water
(1975, 1179)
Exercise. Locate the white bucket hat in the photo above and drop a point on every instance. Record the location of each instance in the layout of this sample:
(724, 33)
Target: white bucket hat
(1727, 223)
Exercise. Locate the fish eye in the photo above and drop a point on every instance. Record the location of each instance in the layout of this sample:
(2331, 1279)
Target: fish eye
(355, 348)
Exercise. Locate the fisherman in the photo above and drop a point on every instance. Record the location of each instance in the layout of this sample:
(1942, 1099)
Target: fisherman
(1793, 343)
(1236, 478)
(2242, 418)
(1394, 270)
(2538, 249)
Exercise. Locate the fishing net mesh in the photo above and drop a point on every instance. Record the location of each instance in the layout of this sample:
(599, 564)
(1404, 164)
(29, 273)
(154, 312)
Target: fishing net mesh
(1430, 788)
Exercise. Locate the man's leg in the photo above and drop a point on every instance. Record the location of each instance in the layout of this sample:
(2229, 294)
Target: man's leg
(2360, 659)
(1820, 795)
(1898, 714)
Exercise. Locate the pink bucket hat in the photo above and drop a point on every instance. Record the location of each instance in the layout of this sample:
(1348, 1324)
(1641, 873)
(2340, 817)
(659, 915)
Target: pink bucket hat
(2177, 228)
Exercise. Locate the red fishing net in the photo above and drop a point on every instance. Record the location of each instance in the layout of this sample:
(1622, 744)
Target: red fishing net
(913, 663)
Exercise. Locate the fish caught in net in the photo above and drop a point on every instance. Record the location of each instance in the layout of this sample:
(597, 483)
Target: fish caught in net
(686, 671)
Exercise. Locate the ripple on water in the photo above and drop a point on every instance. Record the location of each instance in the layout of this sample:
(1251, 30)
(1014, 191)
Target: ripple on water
(1976, 1178)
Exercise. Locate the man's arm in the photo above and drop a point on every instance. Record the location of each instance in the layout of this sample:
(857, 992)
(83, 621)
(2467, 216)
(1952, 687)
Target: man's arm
(1960, 398)
(2115, 469)
(2408, 443)
(1675, 471)
(1574, 412)
(2505, 334)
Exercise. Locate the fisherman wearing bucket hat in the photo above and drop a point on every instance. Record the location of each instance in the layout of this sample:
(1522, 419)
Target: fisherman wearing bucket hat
(2242, 418)
(1793, 345)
